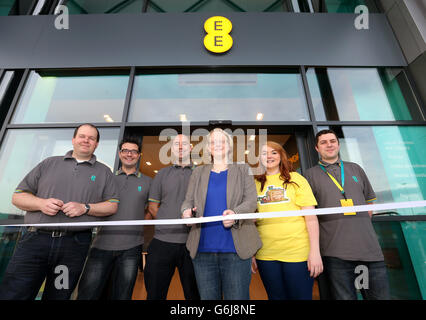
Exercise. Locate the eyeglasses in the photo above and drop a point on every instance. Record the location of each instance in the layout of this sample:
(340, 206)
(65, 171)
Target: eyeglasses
(133, 152)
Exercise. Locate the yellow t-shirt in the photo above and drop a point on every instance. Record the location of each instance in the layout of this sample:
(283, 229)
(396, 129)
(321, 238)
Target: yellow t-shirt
(284, 239)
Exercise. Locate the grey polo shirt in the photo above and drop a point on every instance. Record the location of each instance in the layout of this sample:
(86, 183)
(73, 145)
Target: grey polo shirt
(169, 189)
(348, 237)
(62, 177)
(133, 193)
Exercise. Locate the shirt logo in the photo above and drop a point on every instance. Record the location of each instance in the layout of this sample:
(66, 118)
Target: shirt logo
(273, 195)
(355, 179)
(93, 178)
(139, 188)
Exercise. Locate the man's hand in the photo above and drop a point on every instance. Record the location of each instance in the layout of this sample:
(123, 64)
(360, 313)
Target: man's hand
(50, 206)
(188, 214)
(73, 209)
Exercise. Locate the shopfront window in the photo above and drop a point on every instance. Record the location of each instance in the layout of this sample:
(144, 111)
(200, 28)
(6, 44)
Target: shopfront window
(23, 149)
(351, 94)
(394, 159)
(5, 7)
(348, 6)
(104, 6)
(4, 83)
(204, 97)
(218, 6)
(59, 99)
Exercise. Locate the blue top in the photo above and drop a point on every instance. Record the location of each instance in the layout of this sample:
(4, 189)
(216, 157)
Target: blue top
(214, 236)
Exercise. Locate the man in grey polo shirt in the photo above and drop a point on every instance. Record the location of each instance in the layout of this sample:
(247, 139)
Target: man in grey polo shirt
(348, 242)
(116, 251)
(70, 188)
(168, 248)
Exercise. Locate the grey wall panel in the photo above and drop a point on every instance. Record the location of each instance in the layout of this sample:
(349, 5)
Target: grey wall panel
(260, 39)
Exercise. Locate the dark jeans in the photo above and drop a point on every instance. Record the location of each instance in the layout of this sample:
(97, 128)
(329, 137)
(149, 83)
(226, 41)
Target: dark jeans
(121, 265)
(40, 256)
(371, 276)
(161, 261)
(222, 274)
(286, 280)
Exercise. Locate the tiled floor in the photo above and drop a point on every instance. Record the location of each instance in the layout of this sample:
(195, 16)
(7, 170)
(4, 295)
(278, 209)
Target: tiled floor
(257, 291)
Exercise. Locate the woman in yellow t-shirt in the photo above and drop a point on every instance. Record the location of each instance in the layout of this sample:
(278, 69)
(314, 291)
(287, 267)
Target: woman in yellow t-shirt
(289, 259)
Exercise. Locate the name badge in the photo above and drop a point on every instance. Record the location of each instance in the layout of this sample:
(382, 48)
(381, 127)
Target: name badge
(347, 203)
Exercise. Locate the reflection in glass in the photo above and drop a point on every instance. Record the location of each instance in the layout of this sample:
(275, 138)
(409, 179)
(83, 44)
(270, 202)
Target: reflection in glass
(23, 149)
(218, 6)
(51, 99)
(394, 159)
(204, 97)
(402, 279)
(5, 7)
(4, 83)
(348, 6)
(350, 94)
(104, 6)
(302, 5)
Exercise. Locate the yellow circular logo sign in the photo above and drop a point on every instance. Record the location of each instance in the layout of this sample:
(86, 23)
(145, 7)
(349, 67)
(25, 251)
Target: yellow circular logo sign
(218, 39)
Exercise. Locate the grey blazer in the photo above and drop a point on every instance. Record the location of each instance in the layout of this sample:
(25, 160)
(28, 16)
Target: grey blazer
(241, 197)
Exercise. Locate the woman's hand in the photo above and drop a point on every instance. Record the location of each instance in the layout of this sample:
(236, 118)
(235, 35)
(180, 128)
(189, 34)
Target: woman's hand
(228, 223)
(315, 266)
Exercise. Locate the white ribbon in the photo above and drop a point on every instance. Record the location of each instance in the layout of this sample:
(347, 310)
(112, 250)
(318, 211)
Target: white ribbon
(276, 214)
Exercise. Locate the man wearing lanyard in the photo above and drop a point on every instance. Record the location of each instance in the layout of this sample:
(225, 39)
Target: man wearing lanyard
(348, 242)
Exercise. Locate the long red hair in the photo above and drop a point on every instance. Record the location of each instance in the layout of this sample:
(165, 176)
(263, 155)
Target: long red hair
(285, 165)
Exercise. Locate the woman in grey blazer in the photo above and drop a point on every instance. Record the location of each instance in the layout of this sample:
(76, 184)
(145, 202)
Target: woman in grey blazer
(222, 251)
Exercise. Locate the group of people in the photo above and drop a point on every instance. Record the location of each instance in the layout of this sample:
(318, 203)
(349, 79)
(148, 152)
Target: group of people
(215, 260)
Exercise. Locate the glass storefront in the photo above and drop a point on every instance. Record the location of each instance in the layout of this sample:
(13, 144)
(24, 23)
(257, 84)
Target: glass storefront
(213, 96)
(393, 156)
(352, 94)
(348, 6)
(104, 6)
(396, 166)
(58, 99)
(224, 6)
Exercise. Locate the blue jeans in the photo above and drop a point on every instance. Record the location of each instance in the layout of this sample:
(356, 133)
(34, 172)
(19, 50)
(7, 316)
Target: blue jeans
(222, 273)
(37, 257)
(286, 280)
(122, 265)
(372, 278)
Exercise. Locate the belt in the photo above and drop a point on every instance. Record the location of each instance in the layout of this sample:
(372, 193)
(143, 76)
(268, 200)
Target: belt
(56, 233)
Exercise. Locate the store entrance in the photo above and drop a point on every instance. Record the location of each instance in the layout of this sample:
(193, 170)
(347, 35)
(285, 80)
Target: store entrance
(156, 152)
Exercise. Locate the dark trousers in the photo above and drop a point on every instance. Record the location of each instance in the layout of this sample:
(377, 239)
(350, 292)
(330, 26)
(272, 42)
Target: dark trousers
(39, 256)
(342, 275)
(286, 280)
(119, 265)
(161, 262)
